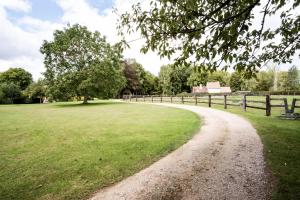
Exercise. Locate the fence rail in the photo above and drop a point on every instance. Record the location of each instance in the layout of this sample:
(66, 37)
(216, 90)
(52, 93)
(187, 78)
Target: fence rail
(225, 100)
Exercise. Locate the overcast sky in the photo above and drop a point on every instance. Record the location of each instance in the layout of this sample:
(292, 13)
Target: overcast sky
(25, 24)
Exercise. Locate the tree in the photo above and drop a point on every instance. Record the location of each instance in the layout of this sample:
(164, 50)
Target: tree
(138, 80)
(293, 79)
(221, 76)
(197, 77)
(237, 81)
(81, 63)
(178, 79)
(17, 76)
(150, 83)
(174, 79)
(283, 81)
(132, 79)
(36, 90)
(264, 81)
(217, 33)
(10, 92)
(164, 78)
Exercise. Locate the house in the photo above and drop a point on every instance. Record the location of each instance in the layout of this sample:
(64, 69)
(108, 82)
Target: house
(211, 88)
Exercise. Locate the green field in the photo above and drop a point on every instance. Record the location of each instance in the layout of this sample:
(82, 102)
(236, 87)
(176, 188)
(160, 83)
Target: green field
(69, 151)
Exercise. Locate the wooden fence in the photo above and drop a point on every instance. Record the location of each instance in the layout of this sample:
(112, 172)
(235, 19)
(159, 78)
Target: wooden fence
(225, 100)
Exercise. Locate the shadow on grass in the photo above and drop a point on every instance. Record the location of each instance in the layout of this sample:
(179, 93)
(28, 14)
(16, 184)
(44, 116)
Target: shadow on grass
(80, 104)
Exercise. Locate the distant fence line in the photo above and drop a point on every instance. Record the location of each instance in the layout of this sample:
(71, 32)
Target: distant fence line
(221, 99)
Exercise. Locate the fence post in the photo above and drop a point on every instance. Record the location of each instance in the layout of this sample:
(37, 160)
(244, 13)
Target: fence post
(293, 105)
(144, 98)
(268, 105)
(160, 98)
(209, 100)
(151, 98)
(130, 98)
(135, 98)
(196, 100)
(225, 101)
(244, 102)
(286, 105)
(171, 99)
(182, 101)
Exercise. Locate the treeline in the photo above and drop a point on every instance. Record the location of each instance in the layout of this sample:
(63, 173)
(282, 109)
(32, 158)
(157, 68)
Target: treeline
(178, 79)
(17, 86)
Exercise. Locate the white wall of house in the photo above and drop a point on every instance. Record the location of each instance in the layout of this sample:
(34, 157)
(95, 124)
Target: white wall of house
(214, 90)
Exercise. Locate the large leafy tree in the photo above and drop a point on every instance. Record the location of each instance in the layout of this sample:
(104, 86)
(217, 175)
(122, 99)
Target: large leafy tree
(150, 85)
(217, 33)
(164, 80)
(17, 76)
(293, 78)
(197, 77)
(36, 90)
(132, 78)
(200, 76)
(138, 80)
(237, 81)
(173, 79)
(264, 81)
(9, 92)
(81, 63)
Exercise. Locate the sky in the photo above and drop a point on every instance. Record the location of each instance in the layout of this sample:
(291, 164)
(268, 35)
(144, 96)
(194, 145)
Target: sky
(26, 23)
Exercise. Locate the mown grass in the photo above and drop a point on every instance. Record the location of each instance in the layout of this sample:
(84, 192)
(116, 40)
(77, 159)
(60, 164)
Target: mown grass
(69, 151)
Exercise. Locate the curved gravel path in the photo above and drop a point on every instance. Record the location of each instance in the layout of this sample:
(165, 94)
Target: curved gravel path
(223, 161)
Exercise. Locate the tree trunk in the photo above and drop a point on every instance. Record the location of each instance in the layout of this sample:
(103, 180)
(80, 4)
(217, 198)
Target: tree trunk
(85, 100)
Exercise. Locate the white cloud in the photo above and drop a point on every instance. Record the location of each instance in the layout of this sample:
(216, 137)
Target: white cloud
(17, 5)
(20, 40)
(20, 46)
(106, 22)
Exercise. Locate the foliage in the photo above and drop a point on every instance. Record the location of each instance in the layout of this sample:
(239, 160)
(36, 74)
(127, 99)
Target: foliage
(9, 92)
(174, 79)
(264, 81)
(221, 76)
(236, 81)
(200, 77)
(36, 90)
(217, 33)
(81, 63)
(293, 79)
(17, 76)
(138, 80)
(150, 85)
(164, 78)
(132, 79)
(197, 77)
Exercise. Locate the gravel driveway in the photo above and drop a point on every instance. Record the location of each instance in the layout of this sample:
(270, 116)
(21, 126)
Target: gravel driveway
(223, 161)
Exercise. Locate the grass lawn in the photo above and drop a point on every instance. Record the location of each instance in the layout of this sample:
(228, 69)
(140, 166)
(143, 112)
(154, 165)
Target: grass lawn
(69, 151)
